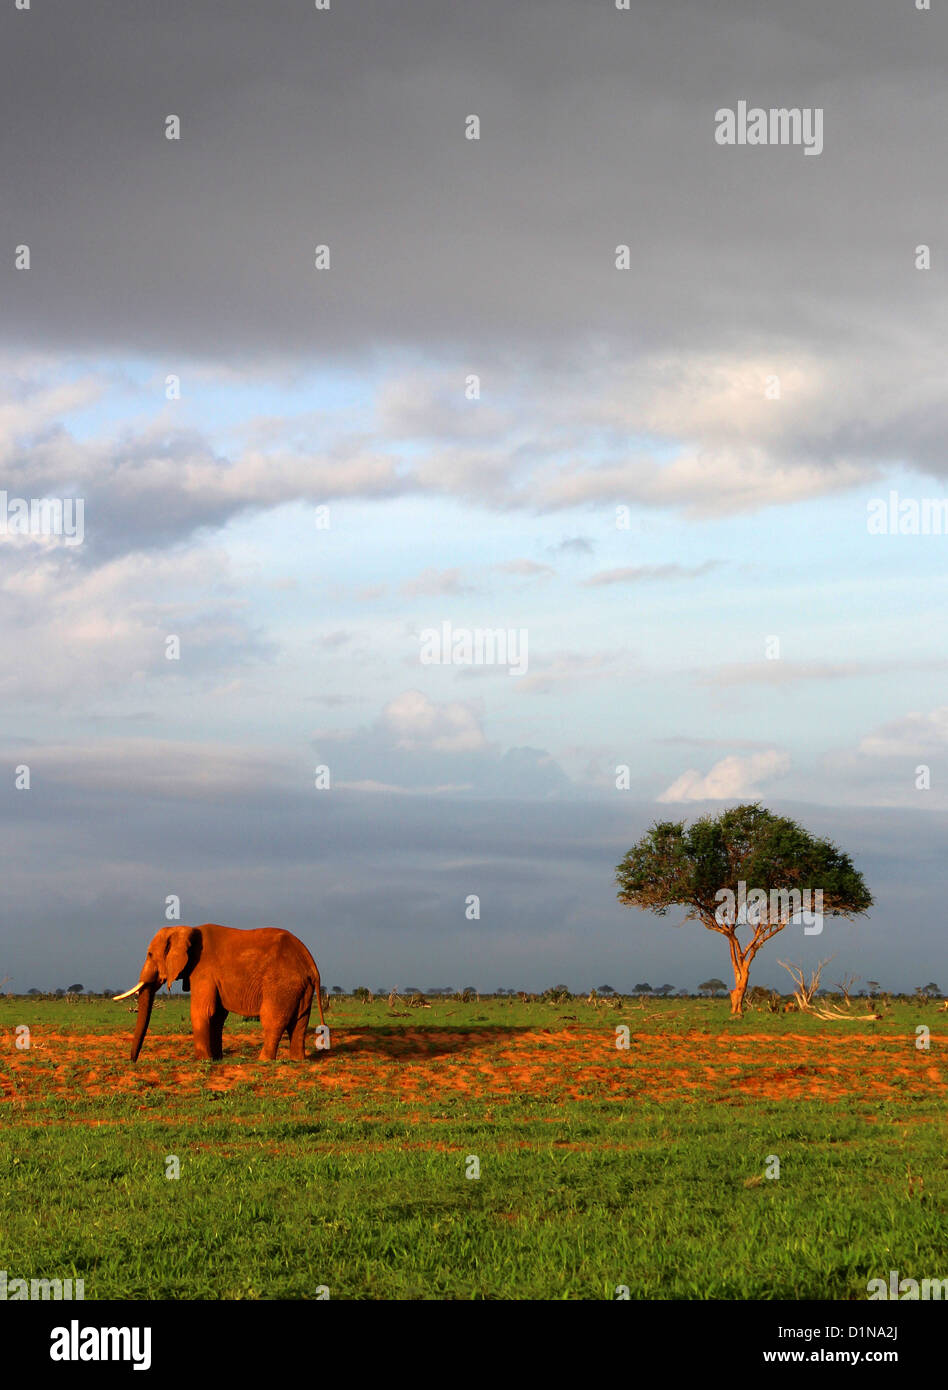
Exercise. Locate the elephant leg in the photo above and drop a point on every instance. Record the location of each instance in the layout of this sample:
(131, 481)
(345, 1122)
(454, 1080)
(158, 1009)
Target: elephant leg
(298, 1032)
(274, 1021)
(203, 1012)
(217, 1032)
(201, 1027)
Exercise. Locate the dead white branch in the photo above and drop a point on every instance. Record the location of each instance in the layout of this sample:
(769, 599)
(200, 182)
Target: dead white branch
(805, 989)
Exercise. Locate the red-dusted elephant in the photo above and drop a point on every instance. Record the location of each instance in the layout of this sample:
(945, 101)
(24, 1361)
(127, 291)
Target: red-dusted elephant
(265, 972)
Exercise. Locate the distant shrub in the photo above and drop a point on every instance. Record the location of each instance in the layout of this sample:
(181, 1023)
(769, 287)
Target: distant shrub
(763, 998)
(557, 994)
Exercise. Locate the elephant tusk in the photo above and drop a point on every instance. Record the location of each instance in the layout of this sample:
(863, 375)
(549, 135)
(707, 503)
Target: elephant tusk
(134, 990)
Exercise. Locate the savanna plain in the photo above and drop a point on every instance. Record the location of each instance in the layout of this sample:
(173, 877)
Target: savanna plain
(598, 1167)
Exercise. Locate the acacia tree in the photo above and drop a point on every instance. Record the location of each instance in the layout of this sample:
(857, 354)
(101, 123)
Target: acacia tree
(745, 845)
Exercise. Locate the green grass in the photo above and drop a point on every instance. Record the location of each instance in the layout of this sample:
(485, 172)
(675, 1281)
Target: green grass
(366, 1192)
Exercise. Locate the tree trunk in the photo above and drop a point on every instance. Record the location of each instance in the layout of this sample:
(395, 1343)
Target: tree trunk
(741, 974)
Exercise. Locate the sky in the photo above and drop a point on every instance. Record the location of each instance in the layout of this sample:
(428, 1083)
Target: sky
(658, 481)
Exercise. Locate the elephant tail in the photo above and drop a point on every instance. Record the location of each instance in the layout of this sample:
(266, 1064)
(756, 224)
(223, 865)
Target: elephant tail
(314, 979)
(319, 999)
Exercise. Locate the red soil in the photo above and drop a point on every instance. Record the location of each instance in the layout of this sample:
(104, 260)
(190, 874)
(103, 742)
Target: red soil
(491, 1066)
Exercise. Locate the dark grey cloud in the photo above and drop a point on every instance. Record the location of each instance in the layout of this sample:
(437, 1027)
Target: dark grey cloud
(346, 127)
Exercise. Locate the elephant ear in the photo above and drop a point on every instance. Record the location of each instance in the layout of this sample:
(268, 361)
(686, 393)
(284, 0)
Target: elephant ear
(180, 956)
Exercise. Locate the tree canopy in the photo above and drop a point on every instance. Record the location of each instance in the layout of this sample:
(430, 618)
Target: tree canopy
(745, 850)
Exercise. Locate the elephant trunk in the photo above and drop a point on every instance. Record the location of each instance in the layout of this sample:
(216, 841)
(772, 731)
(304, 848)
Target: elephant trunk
(146, 997)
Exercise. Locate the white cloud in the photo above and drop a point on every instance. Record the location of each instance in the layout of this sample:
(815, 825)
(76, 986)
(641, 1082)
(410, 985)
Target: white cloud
(731, 777)
(82, 632)
(566, 669)
(527, 569)
(435, 581)
(639, 574)
(33, 404)
(417, 722)
(913, 736)
(695, 435)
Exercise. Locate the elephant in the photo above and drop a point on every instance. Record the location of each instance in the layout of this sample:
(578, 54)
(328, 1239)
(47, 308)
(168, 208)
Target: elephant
(265, 972)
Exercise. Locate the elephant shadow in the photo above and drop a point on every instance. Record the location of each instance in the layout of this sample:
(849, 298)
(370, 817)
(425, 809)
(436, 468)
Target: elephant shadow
(400, 1043)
